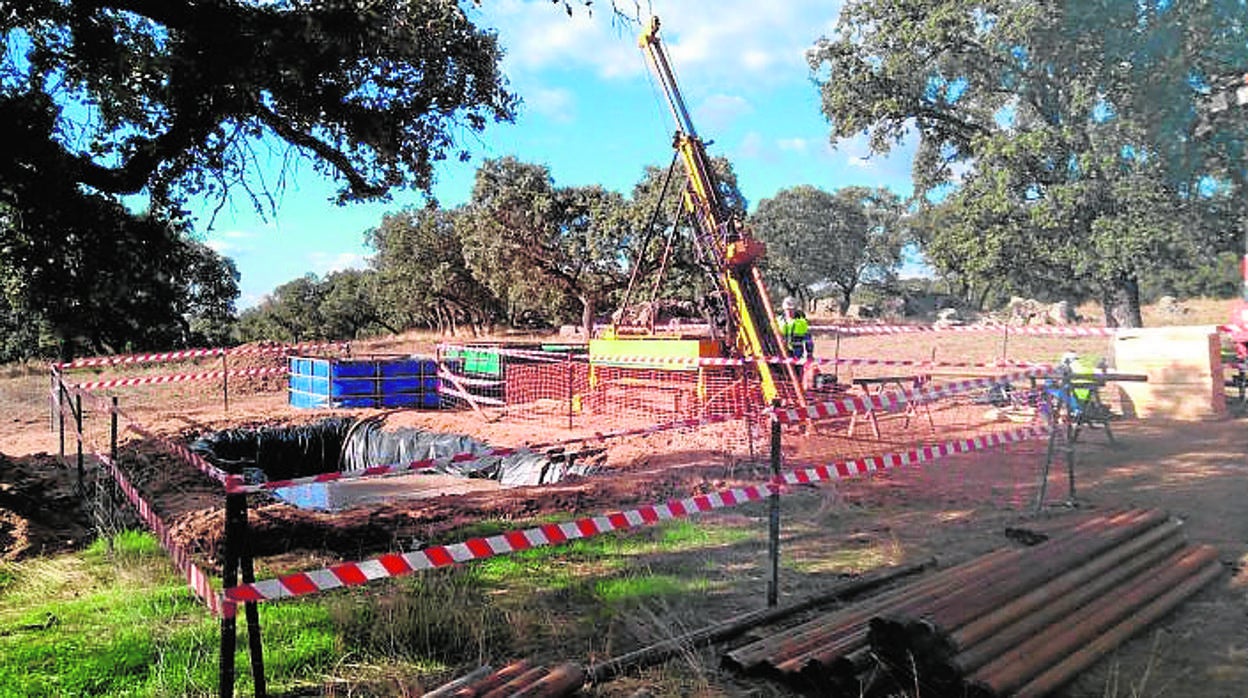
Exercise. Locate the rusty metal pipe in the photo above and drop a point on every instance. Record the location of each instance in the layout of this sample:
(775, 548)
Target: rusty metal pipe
(905, 635)
(496, 679)
(837, 645)
(731, 627)
(801, 637)
(1004, 569)
(1015, 667)
(990, 622)
(468, 679)
(1047, 561)
(1058, 674)
(517, 683)
(975, 656)
(563, 680)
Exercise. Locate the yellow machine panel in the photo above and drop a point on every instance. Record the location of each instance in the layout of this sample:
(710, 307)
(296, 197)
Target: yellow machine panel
(653, 352)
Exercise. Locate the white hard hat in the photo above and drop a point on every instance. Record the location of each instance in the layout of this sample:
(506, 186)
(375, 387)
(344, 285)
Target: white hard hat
(789, 303)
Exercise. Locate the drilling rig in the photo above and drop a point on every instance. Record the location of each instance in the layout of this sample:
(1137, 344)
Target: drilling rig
(746, 326)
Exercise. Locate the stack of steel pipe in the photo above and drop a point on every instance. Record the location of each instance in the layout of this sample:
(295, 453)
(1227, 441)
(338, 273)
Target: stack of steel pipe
(1027, 625)
(520, 678)
(1010, 622)
(825, 654)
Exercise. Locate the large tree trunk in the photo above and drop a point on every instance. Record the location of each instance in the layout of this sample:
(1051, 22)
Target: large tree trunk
(1121, 303)
(587, 315)
(1131, 292)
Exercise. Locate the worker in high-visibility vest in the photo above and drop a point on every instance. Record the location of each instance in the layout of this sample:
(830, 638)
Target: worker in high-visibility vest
(1081, 383)
(795, 330)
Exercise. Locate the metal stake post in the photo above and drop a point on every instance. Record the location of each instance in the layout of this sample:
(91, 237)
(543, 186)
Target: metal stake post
(253, 626)
(836, 357)
(570, 391)
(112, 432)
(229, 579)
(1050, 407)
(225, 384)
(82, 488)
(1071, 434)
(60, 414)
(773, 584)
(54, 397)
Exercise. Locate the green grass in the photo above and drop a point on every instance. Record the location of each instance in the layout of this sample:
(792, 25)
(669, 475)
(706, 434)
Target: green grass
(630, 589)
(117, 619)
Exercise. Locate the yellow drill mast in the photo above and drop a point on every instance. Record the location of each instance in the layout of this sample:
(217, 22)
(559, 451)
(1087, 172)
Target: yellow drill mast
(733, 252)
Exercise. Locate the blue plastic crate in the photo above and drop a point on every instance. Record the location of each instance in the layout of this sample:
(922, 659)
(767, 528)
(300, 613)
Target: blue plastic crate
(405, 384)
(299, 366)
(307, 400)
(310, 384)
(340, 387)
(401, 400)
(408, 367)
(354, 369)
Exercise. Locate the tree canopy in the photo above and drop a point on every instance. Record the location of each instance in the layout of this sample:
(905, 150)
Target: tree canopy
(817, 239)
(127, 95)
(117, 112)
(525, 238)
(1056, 144)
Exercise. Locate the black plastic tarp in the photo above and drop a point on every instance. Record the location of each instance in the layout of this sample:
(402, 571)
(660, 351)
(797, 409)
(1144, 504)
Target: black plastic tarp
(277, 453)
(371, 445)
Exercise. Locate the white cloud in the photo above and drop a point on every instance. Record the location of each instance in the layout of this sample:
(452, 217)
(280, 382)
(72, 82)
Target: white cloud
(221, 247)
(735, 43)
(227, 242)
(794, 145)
(322, 263)
(753, 146)
(556, 104)
(717, 112)
(774, 151)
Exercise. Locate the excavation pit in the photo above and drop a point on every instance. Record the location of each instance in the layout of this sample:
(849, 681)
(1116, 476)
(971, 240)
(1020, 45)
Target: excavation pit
(427, 464)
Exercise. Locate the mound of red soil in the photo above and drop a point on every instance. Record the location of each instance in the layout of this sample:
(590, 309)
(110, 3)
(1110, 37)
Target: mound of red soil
(40, 512)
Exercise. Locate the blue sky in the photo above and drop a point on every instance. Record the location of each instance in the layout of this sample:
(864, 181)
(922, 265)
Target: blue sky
(593, 114)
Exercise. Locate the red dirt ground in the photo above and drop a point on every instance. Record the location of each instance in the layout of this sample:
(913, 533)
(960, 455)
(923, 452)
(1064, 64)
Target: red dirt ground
(956, 507)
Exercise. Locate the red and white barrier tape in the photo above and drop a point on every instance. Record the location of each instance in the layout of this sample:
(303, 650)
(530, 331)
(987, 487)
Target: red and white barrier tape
(927, 364)
(841, 470)
(692, 361)
(162, 357)
(465, 380)
(400, 564)
(196, 578)
(235, 484)
(676, 360)
(179, 378)
(394, 565)
(1042, 330)
(487, 401)
(894, 401)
